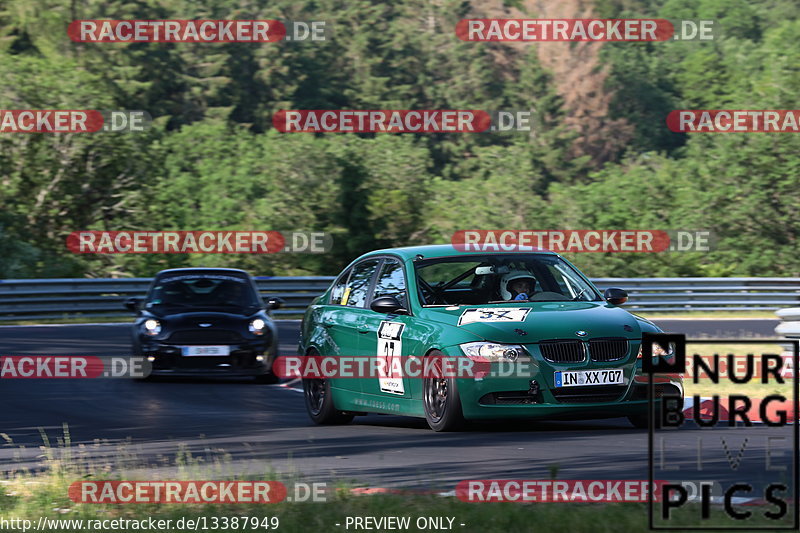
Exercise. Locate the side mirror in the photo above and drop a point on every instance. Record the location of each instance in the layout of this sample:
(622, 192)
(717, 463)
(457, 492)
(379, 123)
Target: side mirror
(133, 303)
(615, 296)
(387, 305)
(274, 302)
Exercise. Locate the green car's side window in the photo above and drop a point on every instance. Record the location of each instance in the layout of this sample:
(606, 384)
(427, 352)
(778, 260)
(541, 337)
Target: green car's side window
(338, 289)
(391, 282)
(356, 292)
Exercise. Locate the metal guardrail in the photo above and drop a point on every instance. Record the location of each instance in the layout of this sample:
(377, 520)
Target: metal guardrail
(707, 294)
(35, 299)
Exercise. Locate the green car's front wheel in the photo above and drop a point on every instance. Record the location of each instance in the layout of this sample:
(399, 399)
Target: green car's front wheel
(319, 403)
(440, 398)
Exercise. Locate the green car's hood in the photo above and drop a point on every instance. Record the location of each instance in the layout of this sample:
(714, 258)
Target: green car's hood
(546, 320)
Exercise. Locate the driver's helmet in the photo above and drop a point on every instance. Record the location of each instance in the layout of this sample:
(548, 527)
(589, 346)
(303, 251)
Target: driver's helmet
(506, 292)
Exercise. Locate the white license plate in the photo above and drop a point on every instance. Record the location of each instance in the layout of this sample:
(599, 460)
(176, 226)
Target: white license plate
(201, 351)
(587, 378)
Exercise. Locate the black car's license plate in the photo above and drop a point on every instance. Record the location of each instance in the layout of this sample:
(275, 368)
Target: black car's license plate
(205, 351)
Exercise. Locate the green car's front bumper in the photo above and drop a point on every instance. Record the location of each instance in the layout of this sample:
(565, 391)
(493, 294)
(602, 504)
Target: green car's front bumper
(530, 391)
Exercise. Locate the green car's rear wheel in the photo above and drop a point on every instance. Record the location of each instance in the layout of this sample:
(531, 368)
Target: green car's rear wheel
(440, 397)
(319, 403)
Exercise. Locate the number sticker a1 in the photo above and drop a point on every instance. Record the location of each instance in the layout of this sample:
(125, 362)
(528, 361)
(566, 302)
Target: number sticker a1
(390, 351)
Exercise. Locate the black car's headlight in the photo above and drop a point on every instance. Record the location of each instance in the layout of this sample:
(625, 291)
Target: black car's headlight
(257, 326)
(152, 327)
(491, 351)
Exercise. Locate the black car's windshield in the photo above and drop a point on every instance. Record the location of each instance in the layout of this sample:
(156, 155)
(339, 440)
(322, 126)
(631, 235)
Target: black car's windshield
(484, 279)
(203, 290)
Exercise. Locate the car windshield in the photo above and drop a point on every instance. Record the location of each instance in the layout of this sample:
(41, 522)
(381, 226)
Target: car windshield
(204, 290)
(484, 279)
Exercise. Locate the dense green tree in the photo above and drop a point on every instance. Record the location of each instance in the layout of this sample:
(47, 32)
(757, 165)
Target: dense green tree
(213, 161)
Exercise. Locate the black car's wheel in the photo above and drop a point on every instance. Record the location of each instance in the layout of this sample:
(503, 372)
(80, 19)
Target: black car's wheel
(440, 398)
(319, 403)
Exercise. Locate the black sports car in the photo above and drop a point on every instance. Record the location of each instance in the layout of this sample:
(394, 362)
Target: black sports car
(205, 321)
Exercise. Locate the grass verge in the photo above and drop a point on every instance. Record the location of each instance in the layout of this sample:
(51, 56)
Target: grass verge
(40, 502)
(47, 498)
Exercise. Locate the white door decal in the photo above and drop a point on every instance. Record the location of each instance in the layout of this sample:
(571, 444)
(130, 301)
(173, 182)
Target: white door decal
(390, 350)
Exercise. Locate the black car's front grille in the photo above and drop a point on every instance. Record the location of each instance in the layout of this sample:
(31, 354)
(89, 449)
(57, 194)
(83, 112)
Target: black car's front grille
(563, 350)
(204, 336)
(236, 360)
(599, 394)
(608, 349)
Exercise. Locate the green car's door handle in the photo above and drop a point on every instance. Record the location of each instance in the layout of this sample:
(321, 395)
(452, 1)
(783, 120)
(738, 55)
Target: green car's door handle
(363, 331)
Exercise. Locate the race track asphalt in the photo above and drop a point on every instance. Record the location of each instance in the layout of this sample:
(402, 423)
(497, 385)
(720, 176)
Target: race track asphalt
(243, 427)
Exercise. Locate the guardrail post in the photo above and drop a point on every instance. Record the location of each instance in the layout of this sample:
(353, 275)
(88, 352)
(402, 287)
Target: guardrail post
(790, 329)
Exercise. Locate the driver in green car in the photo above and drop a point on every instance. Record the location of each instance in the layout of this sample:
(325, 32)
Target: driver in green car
(517, 285)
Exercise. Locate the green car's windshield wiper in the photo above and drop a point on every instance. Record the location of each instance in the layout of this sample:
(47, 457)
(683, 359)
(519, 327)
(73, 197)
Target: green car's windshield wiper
(577, 296)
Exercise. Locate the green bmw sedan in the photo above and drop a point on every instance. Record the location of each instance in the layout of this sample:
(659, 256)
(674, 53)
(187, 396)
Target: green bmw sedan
(524, 335)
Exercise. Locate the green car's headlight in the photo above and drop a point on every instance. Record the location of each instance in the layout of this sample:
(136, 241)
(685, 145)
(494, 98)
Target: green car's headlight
(658, 351)
(492, 352)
